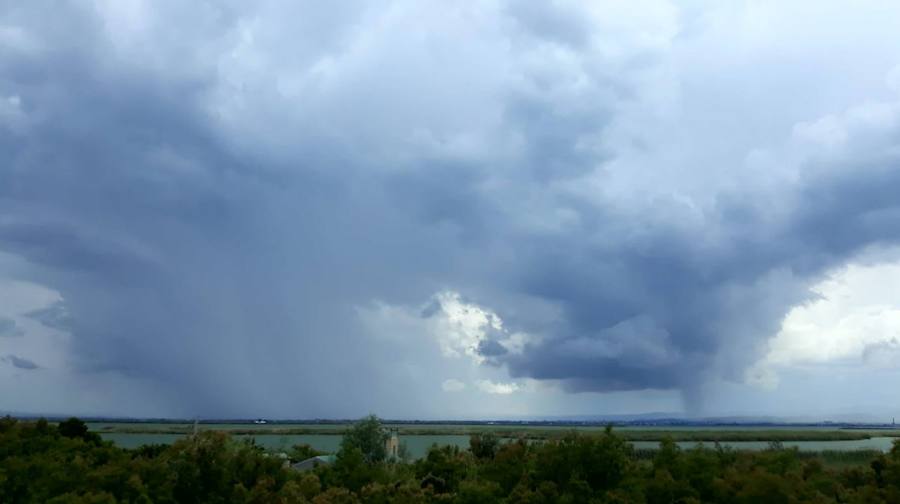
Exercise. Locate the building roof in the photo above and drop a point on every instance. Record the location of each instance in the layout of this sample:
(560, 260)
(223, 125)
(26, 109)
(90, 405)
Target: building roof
(313, 462)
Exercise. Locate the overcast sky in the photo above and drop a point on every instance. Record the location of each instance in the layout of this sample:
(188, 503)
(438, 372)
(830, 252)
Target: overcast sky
(432, 209)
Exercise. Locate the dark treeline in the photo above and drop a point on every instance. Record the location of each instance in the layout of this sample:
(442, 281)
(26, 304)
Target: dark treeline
(66, 464)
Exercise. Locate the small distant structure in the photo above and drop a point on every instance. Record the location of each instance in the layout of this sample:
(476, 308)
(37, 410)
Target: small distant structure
(313, 462)
(392, 445)
(260, 421)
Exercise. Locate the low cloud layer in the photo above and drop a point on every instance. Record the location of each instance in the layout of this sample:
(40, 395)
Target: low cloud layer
(332, 202)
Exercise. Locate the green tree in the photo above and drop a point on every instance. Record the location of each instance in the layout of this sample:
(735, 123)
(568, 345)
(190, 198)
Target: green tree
(300, 452)
(369, 437)
(77, 429)
(478, 492)
(669, 458)
(602, 462)
(443, 468)
(483, 445)
(508, 465)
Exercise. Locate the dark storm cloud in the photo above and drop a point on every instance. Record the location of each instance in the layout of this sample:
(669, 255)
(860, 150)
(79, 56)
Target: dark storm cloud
(20, 362)
(182, 262)
(491, 348)
(716, 304)
(213, 255)
(66, 248)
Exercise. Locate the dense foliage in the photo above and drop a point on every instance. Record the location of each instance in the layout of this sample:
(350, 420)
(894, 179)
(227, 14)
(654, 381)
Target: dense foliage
(368, 437)
(67, 464)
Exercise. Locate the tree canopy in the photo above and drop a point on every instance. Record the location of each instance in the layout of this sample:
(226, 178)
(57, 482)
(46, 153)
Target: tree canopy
(369, 437)
(63, 464)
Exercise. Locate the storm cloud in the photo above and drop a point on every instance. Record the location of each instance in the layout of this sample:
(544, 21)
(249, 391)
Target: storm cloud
(215, 190)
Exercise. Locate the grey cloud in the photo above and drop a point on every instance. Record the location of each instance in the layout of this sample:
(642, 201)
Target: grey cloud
(882, 354)
(431, 309)
(8, 328)
(491, 348)
(54, 316)
(561, 25)
(718, 304)
(211, 231)
(20, 362)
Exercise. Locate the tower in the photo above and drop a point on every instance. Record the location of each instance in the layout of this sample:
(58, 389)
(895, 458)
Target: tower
(392, 445)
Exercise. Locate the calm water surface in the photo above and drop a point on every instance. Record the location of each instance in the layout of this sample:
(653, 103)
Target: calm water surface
(418, 445)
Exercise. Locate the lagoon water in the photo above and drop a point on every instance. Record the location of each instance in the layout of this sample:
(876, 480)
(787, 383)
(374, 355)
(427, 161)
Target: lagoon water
(418, 444)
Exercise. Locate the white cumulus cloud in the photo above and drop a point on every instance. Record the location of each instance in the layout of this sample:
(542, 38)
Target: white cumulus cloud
(855, 320)
(492, 387)
(453, 385)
